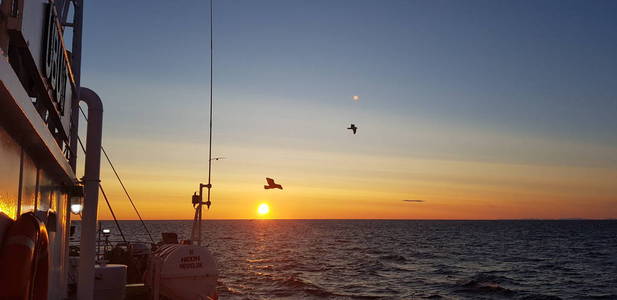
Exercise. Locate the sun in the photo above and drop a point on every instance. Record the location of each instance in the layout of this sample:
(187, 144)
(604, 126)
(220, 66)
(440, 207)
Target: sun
(263, 209)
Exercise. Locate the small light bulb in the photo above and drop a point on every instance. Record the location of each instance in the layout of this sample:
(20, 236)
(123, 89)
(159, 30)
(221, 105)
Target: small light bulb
(76, 208)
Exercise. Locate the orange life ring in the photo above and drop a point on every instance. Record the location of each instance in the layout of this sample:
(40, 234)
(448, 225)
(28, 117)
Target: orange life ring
(24, 261)
(40, 284)
(214, 296)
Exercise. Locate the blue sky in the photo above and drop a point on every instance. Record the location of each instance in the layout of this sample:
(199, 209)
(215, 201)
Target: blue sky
(514, 82)
(546, 66)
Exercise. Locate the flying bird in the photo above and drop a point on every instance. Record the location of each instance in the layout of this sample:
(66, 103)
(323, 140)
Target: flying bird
(272, 185)
(418, 201)
(353, 128)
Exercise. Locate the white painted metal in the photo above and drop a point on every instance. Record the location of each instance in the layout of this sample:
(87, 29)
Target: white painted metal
(140, 249)
(110, 282)
(182, 272)
(35, 140)
(39, 138)
(85, 285)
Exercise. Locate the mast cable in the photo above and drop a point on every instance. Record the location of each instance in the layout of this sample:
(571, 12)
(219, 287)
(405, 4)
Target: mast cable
(121, 183)
(113, 214)
(106, 200)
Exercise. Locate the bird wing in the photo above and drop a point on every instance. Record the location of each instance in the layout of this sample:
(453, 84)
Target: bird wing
(354, 130)
(270, 181)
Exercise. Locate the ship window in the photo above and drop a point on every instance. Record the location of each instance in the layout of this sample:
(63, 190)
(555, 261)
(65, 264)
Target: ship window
(28, 187)
(46, 188)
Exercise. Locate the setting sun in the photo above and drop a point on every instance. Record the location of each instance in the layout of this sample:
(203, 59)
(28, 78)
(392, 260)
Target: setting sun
(263, 209)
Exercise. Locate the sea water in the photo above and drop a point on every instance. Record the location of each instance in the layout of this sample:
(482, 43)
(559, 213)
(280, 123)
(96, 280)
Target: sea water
(388, 259)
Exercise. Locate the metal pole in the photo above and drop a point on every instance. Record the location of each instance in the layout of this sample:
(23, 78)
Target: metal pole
(199, 214)
(87, 248)
(98, 241)
(76, 64)
(209, 185)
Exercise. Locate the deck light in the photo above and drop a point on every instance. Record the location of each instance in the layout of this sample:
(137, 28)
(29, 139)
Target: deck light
(77, 196)
(76, 208)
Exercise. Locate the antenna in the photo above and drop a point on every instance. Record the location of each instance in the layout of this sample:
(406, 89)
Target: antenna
(209, 185)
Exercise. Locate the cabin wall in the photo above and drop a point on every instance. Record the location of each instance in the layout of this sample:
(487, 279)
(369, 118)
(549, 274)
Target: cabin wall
(10, 153)
(35, 172)
(41, 194)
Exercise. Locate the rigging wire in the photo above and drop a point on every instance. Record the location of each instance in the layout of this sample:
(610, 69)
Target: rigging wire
(105, 196)
(121, 184)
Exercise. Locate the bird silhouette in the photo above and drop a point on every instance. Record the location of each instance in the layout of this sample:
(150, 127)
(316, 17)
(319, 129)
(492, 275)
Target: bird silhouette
(272, 185)
(353, 128)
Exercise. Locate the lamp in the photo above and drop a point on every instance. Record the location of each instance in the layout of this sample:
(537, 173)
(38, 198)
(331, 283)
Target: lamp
(77, 196)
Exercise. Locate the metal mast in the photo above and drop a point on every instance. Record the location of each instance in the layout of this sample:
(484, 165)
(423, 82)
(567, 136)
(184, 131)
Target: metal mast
(198, 214)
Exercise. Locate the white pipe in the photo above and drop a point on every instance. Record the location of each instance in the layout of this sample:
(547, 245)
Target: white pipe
(87, 248)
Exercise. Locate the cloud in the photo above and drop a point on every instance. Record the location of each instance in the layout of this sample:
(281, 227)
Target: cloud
(419, 201)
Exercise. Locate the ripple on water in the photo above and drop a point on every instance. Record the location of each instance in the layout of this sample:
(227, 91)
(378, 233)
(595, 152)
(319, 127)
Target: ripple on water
(486, 284)
(373, 259)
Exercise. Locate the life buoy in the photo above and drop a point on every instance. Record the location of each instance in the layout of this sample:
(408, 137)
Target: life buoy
(40, 284)
(24, 261)
(214, 296)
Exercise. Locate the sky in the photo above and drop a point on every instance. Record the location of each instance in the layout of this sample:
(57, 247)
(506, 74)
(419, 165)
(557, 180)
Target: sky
(481, 109)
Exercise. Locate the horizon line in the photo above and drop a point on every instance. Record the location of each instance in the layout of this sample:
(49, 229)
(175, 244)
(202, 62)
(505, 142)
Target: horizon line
(375, 219)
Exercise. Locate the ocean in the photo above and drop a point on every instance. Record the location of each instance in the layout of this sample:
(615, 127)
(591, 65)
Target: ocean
(392, 259)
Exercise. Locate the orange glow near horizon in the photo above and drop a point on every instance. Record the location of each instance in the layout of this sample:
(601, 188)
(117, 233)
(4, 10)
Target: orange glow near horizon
(356, 186)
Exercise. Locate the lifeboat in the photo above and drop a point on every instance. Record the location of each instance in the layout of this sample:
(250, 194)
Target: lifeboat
(182, 272)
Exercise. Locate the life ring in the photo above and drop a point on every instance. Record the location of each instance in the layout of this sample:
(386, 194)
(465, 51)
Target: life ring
(214, 296)
(41, 257)
(24, 260)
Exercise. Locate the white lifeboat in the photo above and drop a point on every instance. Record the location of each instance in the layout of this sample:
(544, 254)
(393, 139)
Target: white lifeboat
(182, 272)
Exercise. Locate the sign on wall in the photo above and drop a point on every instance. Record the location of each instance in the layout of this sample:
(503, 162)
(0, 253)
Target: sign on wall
(56, 69)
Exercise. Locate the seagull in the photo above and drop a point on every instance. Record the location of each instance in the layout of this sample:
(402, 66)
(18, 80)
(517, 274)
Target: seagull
(272, 185)
(353, 128)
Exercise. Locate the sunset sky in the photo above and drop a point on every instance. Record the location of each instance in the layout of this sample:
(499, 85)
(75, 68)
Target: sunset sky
(482, 109)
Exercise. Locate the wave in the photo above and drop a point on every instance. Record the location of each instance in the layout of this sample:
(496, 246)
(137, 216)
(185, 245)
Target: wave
(393, 258)
(607, 296)
(424, 255)
(540, 297)
(484, 283)
(296, 284)
(406, 260)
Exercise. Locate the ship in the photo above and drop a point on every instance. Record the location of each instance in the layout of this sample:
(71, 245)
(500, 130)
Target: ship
(41, 195)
